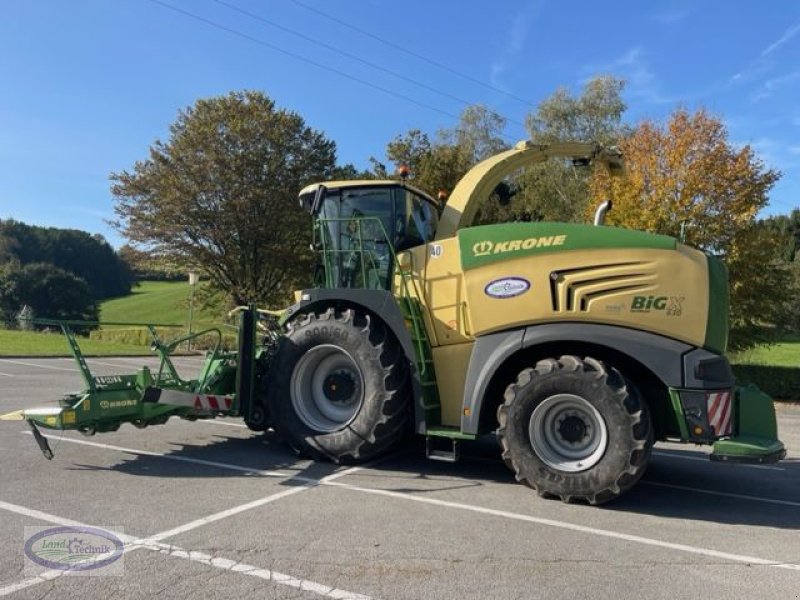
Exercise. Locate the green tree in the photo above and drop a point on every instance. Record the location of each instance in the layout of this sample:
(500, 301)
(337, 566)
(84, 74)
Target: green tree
(50, 291)
(88, 256)
(437, 164)
(557, 190)
(684, 177)
(789, 227)
(221, 194)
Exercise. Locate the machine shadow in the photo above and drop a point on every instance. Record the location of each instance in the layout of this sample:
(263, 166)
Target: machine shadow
(674, 489)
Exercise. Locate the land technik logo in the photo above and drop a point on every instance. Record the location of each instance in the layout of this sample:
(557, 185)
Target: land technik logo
(73, 549)
(485, 248)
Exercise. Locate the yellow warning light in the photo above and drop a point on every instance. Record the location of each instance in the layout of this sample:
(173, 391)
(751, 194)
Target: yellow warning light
(698, 430)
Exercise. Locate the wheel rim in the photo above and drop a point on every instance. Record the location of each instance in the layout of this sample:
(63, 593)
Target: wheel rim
(568, 433)
(327, 388)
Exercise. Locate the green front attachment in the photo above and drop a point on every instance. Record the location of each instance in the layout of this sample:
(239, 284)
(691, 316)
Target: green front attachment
(756, 438)
(107, 401)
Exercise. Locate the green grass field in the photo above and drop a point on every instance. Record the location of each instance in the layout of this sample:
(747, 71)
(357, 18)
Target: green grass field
(783, 354)
(164, 302)
(29, 343)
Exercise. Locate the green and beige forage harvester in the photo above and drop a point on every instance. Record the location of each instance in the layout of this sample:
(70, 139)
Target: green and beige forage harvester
(579, 346)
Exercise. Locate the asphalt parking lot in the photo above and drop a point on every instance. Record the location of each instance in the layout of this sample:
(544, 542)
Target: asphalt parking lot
(210, 509)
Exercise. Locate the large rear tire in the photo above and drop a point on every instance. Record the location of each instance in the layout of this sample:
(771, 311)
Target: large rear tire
(341, 387)
(575, 429)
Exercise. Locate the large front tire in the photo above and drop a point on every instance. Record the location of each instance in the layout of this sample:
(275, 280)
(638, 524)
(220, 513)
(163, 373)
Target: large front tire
(575, 429)
(341, 387)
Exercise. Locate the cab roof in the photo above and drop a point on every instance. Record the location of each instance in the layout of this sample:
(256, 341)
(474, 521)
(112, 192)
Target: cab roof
(358, 183)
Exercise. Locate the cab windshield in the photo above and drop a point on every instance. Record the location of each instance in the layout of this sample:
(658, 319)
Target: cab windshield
(358, 230)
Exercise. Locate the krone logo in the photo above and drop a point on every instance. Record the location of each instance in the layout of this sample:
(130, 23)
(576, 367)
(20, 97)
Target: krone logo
(482, 248)
(485, 248)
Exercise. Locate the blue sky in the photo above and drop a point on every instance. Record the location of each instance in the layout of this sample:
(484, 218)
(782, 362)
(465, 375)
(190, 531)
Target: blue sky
(87, 85)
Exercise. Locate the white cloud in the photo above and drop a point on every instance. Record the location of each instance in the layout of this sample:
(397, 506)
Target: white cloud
(518, 32)
(633, 66)
(768, 87)
(787, 35)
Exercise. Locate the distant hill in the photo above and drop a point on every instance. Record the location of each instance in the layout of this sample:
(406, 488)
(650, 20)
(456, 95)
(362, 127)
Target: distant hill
(156, 302)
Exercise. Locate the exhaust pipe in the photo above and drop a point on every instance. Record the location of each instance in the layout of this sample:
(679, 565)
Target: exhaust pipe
(600, 213)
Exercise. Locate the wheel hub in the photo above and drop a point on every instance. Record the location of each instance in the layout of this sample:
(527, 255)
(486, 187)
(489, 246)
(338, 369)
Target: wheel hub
(573, 429)
(339, 387)
(327, 388)
(568, 433)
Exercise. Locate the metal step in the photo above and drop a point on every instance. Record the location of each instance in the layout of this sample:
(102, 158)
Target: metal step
(448, 454)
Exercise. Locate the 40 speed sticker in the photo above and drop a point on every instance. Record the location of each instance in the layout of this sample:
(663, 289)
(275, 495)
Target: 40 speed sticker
(507, 287)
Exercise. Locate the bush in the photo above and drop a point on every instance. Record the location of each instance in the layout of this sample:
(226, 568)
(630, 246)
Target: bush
(139, 336)
(782, 383)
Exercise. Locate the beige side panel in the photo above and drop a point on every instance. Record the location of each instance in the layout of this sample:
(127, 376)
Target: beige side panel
(451, 364)
(662, 291)
(445, 293)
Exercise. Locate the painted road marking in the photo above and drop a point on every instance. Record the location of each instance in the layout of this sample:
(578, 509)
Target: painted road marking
(273, 576)
(741, 558)
(30, 364)
(725, 494)
(153, 543)
(93, 361)
(521, 517)
(706, 459)
(6, 374)
(220, 422)
(196, 461)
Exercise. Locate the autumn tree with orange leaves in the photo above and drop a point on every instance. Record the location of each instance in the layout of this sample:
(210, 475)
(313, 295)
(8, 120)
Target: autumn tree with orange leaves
(685, 179)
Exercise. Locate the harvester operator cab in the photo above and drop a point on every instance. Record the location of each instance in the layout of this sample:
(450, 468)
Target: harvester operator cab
(359, 226)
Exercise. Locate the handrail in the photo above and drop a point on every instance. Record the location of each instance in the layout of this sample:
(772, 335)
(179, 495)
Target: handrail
(419, 331)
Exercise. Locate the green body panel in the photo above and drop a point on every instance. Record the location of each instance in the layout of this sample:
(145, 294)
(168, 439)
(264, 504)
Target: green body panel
(496, 243)
(718, 304)
(755, 413)
(755, 427)
(744, 447)
(677, 410)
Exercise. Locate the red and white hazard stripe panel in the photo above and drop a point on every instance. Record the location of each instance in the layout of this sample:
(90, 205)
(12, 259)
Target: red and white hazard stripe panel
(213, 402)
(199, 401)
(720, 412)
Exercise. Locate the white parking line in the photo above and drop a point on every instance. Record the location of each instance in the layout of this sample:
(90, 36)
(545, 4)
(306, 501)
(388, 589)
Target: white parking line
(48, 518)
(273, 576)
(187, 459)
(706, 459)
(220, 422)
(92, 361)
(30, 364)
(154, 543)
(741, 558)
(508, 515)
(723, 494)
(6, 374)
